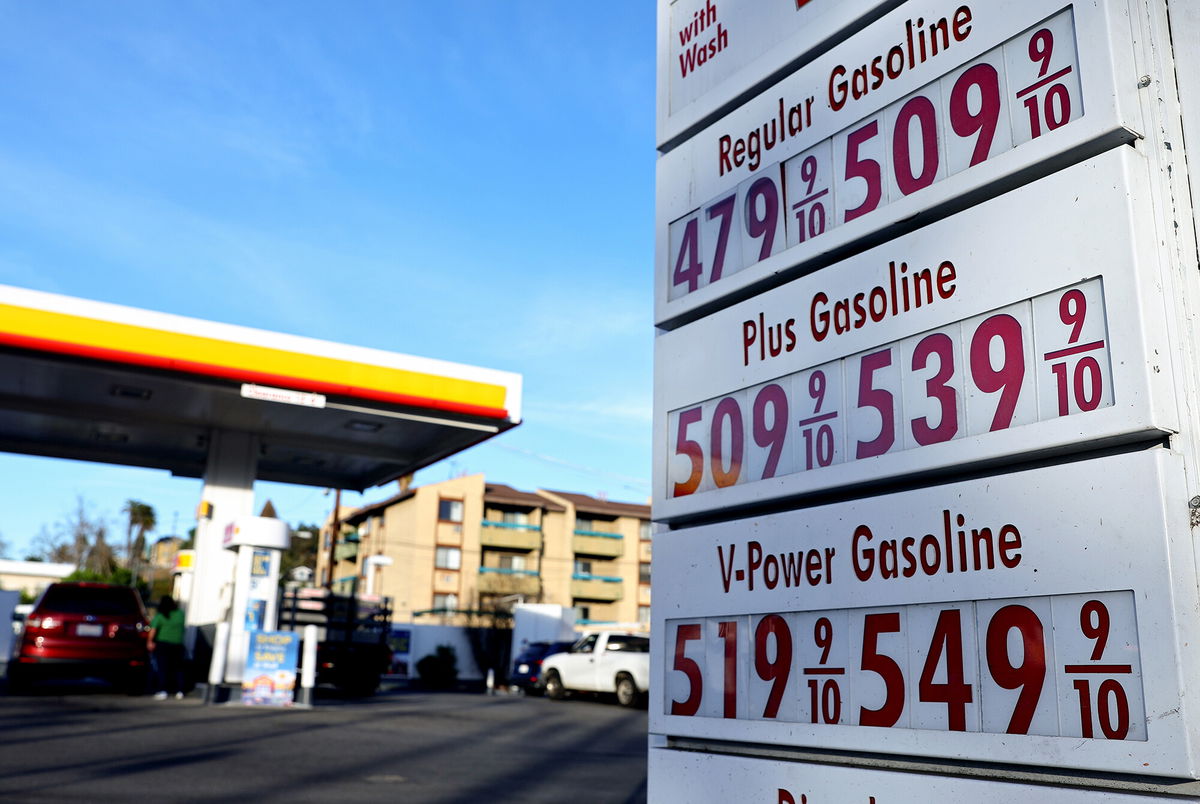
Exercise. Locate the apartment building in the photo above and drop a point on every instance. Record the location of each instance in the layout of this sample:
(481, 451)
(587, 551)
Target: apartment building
(444, 550)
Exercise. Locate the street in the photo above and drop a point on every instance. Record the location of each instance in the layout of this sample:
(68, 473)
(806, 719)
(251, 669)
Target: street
(90, 744)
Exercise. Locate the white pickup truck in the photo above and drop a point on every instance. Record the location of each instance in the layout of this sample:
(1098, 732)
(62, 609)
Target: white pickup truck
(606, 661)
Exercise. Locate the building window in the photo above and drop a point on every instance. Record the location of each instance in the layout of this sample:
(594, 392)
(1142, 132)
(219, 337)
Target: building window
(445, 601)
(584, 524)
(511, 562)
(583, 613)
(448, 558)
(450, 510)
(644, 531)
(644, 615)
(643, 573)
(583, 567)
(515, 517)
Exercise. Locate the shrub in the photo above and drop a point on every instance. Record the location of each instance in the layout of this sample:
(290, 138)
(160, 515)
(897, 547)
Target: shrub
(439, 670)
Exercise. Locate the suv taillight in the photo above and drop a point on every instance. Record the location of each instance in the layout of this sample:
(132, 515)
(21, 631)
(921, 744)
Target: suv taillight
(43, 624)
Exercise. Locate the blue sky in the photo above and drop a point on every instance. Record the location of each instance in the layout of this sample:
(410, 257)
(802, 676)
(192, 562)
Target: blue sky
(467, 181)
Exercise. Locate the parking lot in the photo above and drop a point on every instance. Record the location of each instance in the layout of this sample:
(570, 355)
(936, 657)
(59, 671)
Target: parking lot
(79, 742)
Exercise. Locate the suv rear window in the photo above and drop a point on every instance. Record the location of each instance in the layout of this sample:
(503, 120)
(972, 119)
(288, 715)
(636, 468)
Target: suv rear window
(90, 600)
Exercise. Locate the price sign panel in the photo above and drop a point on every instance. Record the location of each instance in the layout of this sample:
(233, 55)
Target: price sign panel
(968, 342)
(675, 776)
(709, 51)
(928, 109)
(971, 621)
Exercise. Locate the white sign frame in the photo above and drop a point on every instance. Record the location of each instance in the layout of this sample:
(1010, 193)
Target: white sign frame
(1059, 555)
(675, 775)
(760, 40)
(688, 177)
(1100, 237)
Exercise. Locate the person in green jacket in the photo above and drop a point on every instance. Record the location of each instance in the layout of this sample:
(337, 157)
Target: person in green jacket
(166, 643)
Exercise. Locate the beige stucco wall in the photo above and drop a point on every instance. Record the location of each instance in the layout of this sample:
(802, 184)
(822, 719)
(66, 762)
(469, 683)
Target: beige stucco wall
(31, 577)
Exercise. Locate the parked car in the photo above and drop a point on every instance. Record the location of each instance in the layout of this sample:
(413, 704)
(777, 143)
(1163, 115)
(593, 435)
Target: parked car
(527, 667)
(80, 630)
(615, 663)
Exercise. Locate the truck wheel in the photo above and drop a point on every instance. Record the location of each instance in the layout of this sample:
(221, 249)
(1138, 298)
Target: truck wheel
(627, 692)
(554, 686)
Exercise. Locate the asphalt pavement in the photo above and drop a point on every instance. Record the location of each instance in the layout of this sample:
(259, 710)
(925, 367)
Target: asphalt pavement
(81, 743)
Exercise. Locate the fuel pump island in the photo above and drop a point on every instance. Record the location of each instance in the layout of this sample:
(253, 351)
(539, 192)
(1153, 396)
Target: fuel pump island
(92, 381)
(926, 442)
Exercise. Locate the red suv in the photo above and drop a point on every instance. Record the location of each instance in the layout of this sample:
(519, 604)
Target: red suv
(79, 629)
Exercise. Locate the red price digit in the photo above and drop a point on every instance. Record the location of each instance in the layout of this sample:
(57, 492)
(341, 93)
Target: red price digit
(1030, 675)
(885, 667)
(727, 631)
(858, 167)
(691, 705)
(818, 443)
(811, 220)
(1041, 49)
(823, 637)
(1008, 378)
(1087, 385)
(771, 437)
(1056, 107)
(955, 692)
(1112, 706)
(984, 122)
(690, 448)
(941, 346)
(1095, 622)
(727, 411)
(723, 209)
(688, 267)
(825, 696)
(1072, 310)
(778, 670)
(921, 110)
(879, 399)
(763, 224)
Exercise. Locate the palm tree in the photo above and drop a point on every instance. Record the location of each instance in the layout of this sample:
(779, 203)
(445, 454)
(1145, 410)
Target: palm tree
(141, 519)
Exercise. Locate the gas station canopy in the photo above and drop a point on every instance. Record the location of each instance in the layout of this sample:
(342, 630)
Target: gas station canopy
(101, 382)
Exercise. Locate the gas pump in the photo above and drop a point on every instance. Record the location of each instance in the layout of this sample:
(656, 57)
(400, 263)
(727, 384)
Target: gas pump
(259, 542)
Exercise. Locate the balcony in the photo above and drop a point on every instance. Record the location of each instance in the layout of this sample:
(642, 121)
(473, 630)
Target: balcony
(509, 536)
(346, 551)
(596, 587)
(597, 543)
(500, 581)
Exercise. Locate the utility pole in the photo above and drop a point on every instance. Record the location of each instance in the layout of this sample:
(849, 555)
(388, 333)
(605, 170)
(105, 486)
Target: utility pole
(333, 536)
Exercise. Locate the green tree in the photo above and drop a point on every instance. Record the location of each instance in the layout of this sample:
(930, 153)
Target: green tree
(140, 520)
(302, 551)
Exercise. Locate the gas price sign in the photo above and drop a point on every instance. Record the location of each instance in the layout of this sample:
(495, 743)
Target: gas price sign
(931, 102)
(993, 623)
(964, 342)
(713, 50)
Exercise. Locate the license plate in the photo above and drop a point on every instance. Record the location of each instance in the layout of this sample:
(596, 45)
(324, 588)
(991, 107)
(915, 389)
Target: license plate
(89, 630)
